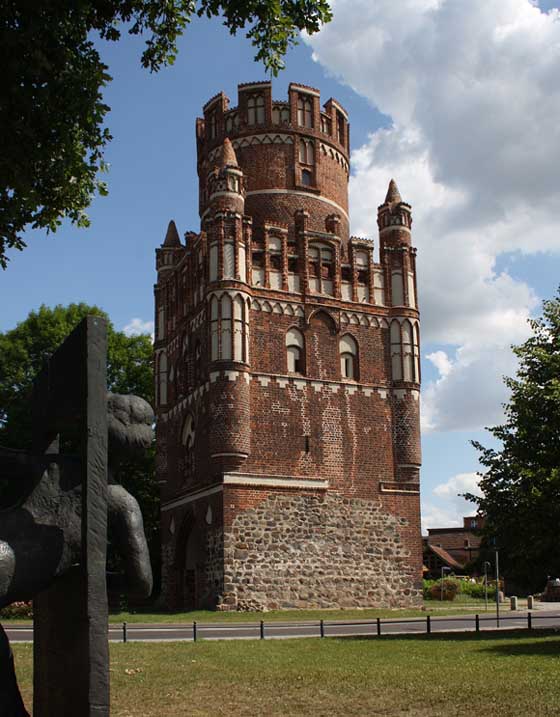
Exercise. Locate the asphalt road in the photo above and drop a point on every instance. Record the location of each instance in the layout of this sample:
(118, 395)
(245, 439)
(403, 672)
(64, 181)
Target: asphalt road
(278, 630)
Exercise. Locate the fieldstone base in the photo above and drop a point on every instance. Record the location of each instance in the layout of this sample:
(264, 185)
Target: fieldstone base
(299, 551)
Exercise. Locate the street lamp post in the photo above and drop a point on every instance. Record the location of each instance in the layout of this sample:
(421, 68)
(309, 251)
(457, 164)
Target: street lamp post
(444, 569)
(486, 566)
(497, 592)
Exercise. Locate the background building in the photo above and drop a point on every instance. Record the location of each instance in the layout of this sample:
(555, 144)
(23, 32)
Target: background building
(455, 548)
(287, 373)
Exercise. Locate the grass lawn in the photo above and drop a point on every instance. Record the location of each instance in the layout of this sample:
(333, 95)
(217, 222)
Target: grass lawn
(209, 616)
(427, 676)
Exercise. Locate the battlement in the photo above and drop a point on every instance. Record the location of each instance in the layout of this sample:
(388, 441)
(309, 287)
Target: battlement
(257, 110)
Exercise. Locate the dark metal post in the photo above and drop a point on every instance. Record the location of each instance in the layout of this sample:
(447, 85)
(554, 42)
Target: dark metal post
(477, 622)
(322, 628)
(262, 629)
(194, 631)
(428, 624)
(497, 592)
(379, 626)
(124, 635)
(486, 566)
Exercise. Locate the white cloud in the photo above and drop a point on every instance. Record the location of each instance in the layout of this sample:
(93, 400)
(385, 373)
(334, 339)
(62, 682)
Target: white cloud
(452, 506)
(139, 326)
(473, 93)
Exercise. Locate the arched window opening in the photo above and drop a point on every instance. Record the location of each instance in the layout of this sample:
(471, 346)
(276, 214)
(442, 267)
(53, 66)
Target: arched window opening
(416, 353)
(295, 351)
(187, 439)
(233, 183)
(411, 290)
(213, 125)
(213, 262)
(325, 124)
(225, 328)
(397, 288)
(274, 245)
(214, 330)
(340, 124)
(306, 152)
(229, 258)
(408, 358)
(161, 322)
(232, 122)
(239, 329)
(348, 348)
(305, 111)
(255, 109)
(396, 359)
(362, 275)
(162, 378)
(379, 288)
(321, 269)
(280, 114)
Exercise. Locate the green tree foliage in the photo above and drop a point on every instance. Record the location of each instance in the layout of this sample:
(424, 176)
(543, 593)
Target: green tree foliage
(521, 486)
(23, 352)
(51, 105)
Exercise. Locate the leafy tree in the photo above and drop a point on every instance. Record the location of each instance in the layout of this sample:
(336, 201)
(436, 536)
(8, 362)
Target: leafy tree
(521, 486)
(23, 352)
(51, 107)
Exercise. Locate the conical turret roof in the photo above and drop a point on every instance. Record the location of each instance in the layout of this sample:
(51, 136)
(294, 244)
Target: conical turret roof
(172, 236)
(227, 156)
(393, 194)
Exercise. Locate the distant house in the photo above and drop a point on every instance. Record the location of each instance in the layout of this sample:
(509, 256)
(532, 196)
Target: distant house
(452, 548)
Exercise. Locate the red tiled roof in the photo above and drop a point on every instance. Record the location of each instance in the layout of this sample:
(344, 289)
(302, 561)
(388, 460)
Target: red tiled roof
(444, 555)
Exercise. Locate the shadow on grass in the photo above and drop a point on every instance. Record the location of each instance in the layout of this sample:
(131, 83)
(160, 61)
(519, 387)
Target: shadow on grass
(532, 640)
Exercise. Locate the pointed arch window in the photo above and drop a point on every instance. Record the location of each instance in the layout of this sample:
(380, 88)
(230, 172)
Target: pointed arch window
(295, 351)
(188, 435)
(229, 328)
(239, 328)
(397, 291)
(341, 128)
(280, 114)
(396, 359)
(408, 358)
(225, 328)
(214, 330)
(232, 122)
(213, 125)
(348, 348)
(379, 288)
(362, 274)
(416, 352)
(306, 151)
(162, 377)
(305, 111)
(405, 353)
(321, 269)
(255, 109)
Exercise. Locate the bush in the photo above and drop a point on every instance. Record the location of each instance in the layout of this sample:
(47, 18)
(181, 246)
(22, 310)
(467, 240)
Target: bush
(17, 611)
(433, 589)
(476, 590)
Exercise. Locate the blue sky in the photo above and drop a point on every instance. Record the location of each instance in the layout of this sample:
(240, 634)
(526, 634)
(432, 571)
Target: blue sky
(460, 104)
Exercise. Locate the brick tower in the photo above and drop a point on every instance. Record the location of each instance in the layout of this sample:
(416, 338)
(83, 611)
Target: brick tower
(287, 373)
